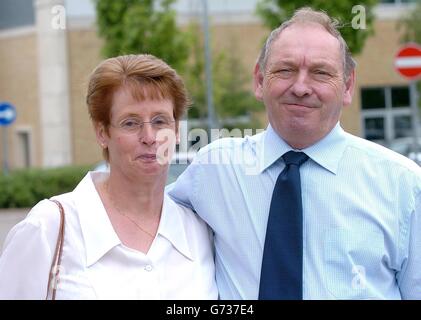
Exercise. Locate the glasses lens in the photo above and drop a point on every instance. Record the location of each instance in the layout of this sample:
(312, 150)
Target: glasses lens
(130, 125)
(161, 122)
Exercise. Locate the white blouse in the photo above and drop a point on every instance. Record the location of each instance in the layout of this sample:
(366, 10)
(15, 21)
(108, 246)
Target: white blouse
(95, 263)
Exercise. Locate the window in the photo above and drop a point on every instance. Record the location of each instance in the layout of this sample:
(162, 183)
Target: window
(402, 126)
(16, 13)
(374, 128)
(23, 148)
(386, 113)
(373, 98)
(400, 97)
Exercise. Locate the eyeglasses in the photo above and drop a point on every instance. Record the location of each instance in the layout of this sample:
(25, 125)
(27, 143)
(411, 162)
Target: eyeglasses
(132, 125)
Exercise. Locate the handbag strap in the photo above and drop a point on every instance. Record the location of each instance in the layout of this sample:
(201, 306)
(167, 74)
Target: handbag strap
(53, 276)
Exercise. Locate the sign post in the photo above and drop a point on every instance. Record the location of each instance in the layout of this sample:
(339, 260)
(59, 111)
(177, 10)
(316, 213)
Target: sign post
(408, 65)
(7, 117)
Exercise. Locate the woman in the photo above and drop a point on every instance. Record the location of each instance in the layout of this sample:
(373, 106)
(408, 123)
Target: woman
(124, 238)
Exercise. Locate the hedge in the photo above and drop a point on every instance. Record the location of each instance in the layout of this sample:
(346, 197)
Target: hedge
(25, 188)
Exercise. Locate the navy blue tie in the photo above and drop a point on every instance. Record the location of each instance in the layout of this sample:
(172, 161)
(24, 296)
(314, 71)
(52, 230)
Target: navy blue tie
(281, 275)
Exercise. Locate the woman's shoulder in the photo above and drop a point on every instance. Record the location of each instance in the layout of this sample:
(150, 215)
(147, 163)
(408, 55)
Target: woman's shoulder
(42, 223)
(199, 237)
(46, 213)
(194, 226)
(188, 216)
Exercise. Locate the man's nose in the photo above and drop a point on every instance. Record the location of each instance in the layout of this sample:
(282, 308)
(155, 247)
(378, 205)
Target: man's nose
(147, 134)
(301, 86)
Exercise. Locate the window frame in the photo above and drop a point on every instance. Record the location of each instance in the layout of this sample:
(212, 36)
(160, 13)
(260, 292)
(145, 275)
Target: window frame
(388, 113)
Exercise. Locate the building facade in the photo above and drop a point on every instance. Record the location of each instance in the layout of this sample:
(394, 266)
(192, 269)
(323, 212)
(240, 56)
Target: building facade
(49, 47)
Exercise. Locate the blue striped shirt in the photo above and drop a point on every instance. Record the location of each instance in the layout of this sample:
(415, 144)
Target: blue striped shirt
(361, 214)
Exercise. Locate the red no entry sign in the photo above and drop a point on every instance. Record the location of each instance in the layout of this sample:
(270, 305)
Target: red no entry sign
(408, 61)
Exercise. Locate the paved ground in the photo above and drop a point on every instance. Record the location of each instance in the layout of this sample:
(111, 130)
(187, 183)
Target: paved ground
(8, 218)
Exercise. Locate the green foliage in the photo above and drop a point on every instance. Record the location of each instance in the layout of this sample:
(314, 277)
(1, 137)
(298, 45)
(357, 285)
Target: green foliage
(232, 94)
(149, 26)
(24, 188)
(411, 25)
(195, 75)
(274, 12)
(142, 26)
(233, 89)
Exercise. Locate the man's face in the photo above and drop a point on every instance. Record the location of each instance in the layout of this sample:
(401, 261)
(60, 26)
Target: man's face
(303, 86)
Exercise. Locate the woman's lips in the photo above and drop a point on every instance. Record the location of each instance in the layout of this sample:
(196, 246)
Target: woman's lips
(147, 157)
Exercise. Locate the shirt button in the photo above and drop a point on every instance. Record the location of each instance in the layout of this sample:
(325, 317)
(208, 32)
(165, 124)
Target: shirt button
(148, 268)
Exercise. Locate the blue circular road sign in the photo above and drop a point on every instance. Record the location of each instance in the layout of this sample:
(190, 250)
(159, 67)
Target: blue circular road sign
(7, 114)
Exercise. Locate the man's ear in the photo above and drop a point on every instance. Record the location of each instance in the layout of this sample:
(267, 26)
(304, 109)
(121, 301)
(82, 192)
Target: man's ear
(258, 82)
(349, 89)
(101, 135)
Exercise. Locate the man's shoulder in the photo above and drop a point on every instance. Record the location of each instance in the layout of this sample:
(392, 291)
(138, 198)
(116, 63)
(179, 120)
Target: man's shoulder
(231, 145)
(378, 153)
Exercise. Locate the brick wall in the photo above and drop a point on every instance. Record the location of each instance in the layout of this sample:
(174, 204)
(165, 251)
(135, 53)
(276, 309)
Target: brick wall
(84, 55)
(18, 77)
(19, 86)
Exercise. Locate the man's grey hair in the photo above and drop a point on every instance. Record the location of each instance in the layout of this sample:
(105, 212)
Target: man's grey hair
(308, 15)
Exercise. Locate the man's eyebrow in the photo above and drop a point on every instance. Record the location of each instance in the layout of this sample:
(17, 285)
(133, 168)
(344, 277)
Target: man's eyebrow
(283, 62)
(291, 62)
(323, 64)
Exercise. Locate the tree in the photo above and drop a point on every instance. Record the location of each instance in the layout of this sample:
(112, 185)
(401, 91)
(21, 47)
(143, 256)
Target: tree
(195, 75)
(274, 12)
(411, 25)
(233, 91)
(231, 96)
(142, 26)
(149, 26)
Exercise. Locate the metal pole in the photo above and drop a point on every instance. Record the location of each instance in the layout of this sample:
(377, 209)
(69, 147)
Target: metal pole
(212, 122)
(415, 113)
(5, 151)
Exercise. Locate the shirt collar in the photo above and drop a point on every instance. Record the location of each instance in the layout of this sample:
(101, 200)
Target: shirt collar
(98, 233)
(173, 227)
(327, 152)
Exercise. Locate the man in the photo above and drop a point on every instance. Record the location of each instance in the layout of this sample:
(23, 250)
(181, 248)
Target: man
(360, 204)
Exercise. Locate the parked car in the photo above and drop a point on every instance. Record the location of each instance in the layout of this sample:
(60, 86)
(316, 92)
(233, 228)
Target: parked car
(416, 156)
(178, 164)
(406, 147)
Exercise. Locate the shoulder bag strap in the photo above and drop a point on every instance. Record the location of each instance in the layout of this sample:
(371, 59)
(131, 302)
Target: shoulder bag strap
(53, 276)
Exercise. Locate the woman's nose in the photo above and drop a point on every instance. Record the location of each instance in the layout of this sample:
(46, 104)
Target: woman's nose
(147, 134)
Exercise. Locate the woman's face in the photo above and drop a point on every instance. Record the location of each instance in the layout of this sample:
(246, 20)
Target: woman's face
(142, 135)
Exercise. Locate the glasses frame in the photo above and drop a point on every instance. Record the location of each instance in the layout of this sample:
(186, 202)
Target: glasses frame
(141, 124)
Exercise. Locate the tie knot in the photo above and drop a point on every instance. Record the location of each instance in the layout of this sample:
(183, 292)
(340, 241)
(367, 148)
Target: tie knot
(297, 158)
